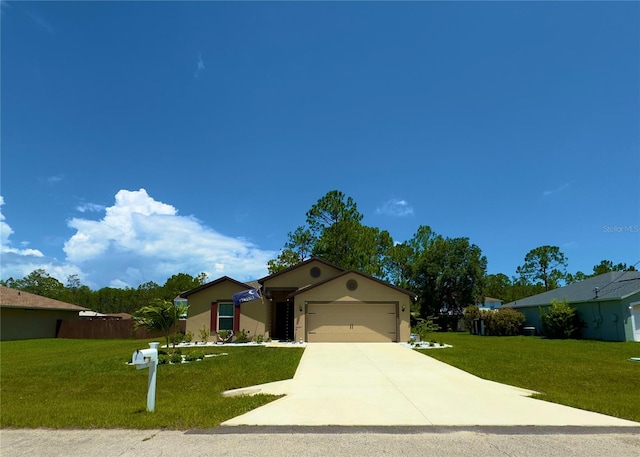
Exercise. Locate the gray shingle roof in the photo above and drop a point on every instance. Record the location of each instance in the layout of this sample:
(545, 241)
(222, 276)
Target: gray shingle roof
(614, 285)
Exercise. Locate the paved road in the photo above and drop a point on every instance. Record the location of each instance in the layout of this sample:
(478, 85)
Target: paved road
(327, 441)
(390, 384)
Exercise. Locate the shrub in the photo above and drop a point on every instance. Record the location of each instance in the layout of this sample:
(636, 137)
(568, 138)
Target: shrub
(163, 359)
(425, 328)
(259, 339)
(560, 321)
(177, 338)
(469, 314)
(204, 334)
(241, 337)
(176, 358)
(188, 337)
(503, 322)
(193, 356)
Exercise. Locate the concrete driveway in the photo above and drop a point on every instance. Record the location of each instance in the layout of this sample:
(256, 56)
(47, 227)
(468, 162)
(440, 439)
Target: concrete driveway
(390, 384)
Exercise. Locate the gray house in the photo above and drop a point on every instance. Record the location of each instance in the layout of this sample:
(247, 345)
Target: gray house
(608, 304)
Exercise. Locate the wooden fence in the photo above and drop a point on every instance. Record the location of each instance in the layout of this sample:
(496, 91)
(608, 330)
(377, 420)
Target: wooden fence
(107, 329)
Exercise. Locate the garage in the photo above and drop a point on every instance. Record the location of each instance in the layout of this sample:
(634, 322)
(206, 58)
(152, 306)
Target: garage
(351, 322)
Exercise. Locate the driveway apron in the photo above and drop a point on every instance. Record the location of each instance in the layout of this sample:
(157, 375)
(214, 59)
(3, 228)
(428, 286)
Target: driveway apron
(390, 384)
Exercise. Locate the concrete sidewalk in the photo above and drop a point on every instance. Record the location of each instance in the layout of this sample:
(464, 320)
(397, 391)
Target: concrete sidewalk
(389, 384)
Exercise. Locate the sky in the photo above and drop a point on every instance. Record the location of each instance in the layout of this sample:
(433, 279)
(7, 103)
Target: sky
(145, 139)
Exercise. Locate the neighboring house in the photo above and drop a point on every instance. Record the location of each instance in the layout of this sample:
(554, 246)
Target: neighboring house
(490, 304)
(608, 304)
(26, 316)
(314, 301)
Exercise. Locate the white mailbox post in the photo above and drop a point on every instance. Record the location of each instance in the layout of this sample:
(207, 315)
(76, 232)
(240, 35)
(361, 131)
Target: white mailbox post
(148, 358)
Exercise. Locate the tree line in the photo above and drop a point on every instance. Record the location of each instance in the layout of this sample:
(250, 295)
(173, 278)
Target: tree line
(447, 274)
(108, 300)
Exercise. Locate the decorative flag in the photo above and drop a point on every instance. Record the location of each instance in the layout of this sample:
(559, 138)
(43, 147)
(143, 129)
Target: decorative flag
(245, 296)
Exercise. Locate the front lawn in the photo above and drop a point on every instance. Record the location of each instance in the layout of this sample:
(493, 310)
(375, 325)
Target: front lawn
(590, 375)
(86, 383)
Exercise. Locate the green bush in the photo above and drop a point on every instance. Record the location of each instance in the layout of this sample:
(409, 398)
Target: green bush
(560, 321)
(188, 337)
(177, 338)
(193, 356)
(241, 337)
(163, 359)
(259, 339)
(425, 327)
(469, 314)
(176, 358)
(503, 322)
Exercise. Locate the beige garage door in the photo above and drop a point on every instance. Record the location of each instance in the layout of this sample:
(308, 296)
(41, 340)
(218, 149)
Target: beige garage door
(351, 323)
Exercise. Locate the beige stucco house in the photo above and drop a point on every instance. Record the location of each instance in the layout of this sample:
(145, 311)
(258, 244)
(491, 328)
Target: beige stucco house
(313, 301)
(27, 316)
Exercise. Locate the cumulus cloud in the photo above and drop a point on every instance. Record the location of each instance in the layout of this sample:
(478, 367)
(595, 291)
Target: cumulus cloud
(140, 239)
(395, 207)
(5, 244)
(18, 262)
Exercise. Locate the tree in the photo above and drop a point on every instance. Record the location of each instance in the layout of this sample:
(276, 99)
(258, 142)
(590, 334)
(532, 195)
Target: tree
(397, 264)
(39, 282)
(335, 233)
(546, 264)
(606, 266)
(297, 249)
(179, 283)
(445, 273)
(497, 286)
(160, 316)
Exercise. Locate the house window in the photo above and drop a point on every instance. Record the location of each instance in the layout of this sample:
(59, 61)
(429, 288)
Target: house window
(225, 316)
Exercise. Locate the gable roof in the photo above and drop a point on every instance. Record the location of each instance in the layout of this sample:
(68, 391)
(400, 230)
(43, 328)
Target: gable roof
(213, 283)
(298, 265)
(346, 272)
(15, 298)
(615, 285)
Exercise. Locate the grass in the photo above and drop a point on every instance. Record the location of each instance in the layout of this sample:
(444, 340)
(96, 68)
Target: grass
(61, 383)
(590, 375)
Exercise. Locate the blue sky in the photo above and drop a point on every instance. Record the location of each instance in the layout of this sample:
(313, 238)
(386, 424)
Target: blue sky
(144, 139)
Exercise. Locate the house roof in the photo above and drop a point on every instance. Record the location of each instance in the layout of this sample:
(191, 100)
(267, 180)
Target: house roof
(615, 285)
(14, 298)
(346, 272)
(298, 265)
(213, 283)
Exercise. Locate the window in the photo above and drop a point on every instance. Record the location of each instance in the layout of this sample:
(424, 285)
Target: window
(225, 316)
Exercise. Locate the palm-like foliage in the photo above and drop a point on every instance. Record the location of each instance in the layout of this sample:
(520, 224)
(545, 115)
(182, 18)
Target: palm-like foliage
(160, 316)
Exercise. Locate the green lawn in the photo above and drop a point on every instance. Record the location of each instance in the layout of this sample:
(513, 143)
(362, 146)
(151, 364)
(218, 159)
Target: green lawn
(591, 375)
(87, 384)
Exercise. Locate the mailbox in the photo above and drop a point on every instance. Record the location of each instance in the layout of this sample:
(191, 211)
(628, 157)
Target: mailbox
(144, 358)
(148, 358)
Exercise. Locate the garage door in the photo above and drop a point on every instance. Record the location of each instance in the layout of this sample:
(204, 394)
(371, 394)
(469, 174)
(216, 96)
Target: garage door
(352, 323)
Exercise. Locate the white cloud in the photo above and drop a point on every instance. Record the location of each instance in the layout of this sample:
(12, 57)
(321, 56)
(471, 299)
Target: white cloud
(200, 65)
(395, 207)
(55, 179)
(19, 262)
(548, 193)
(5, 244)
(140, 239)
(90, 208)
